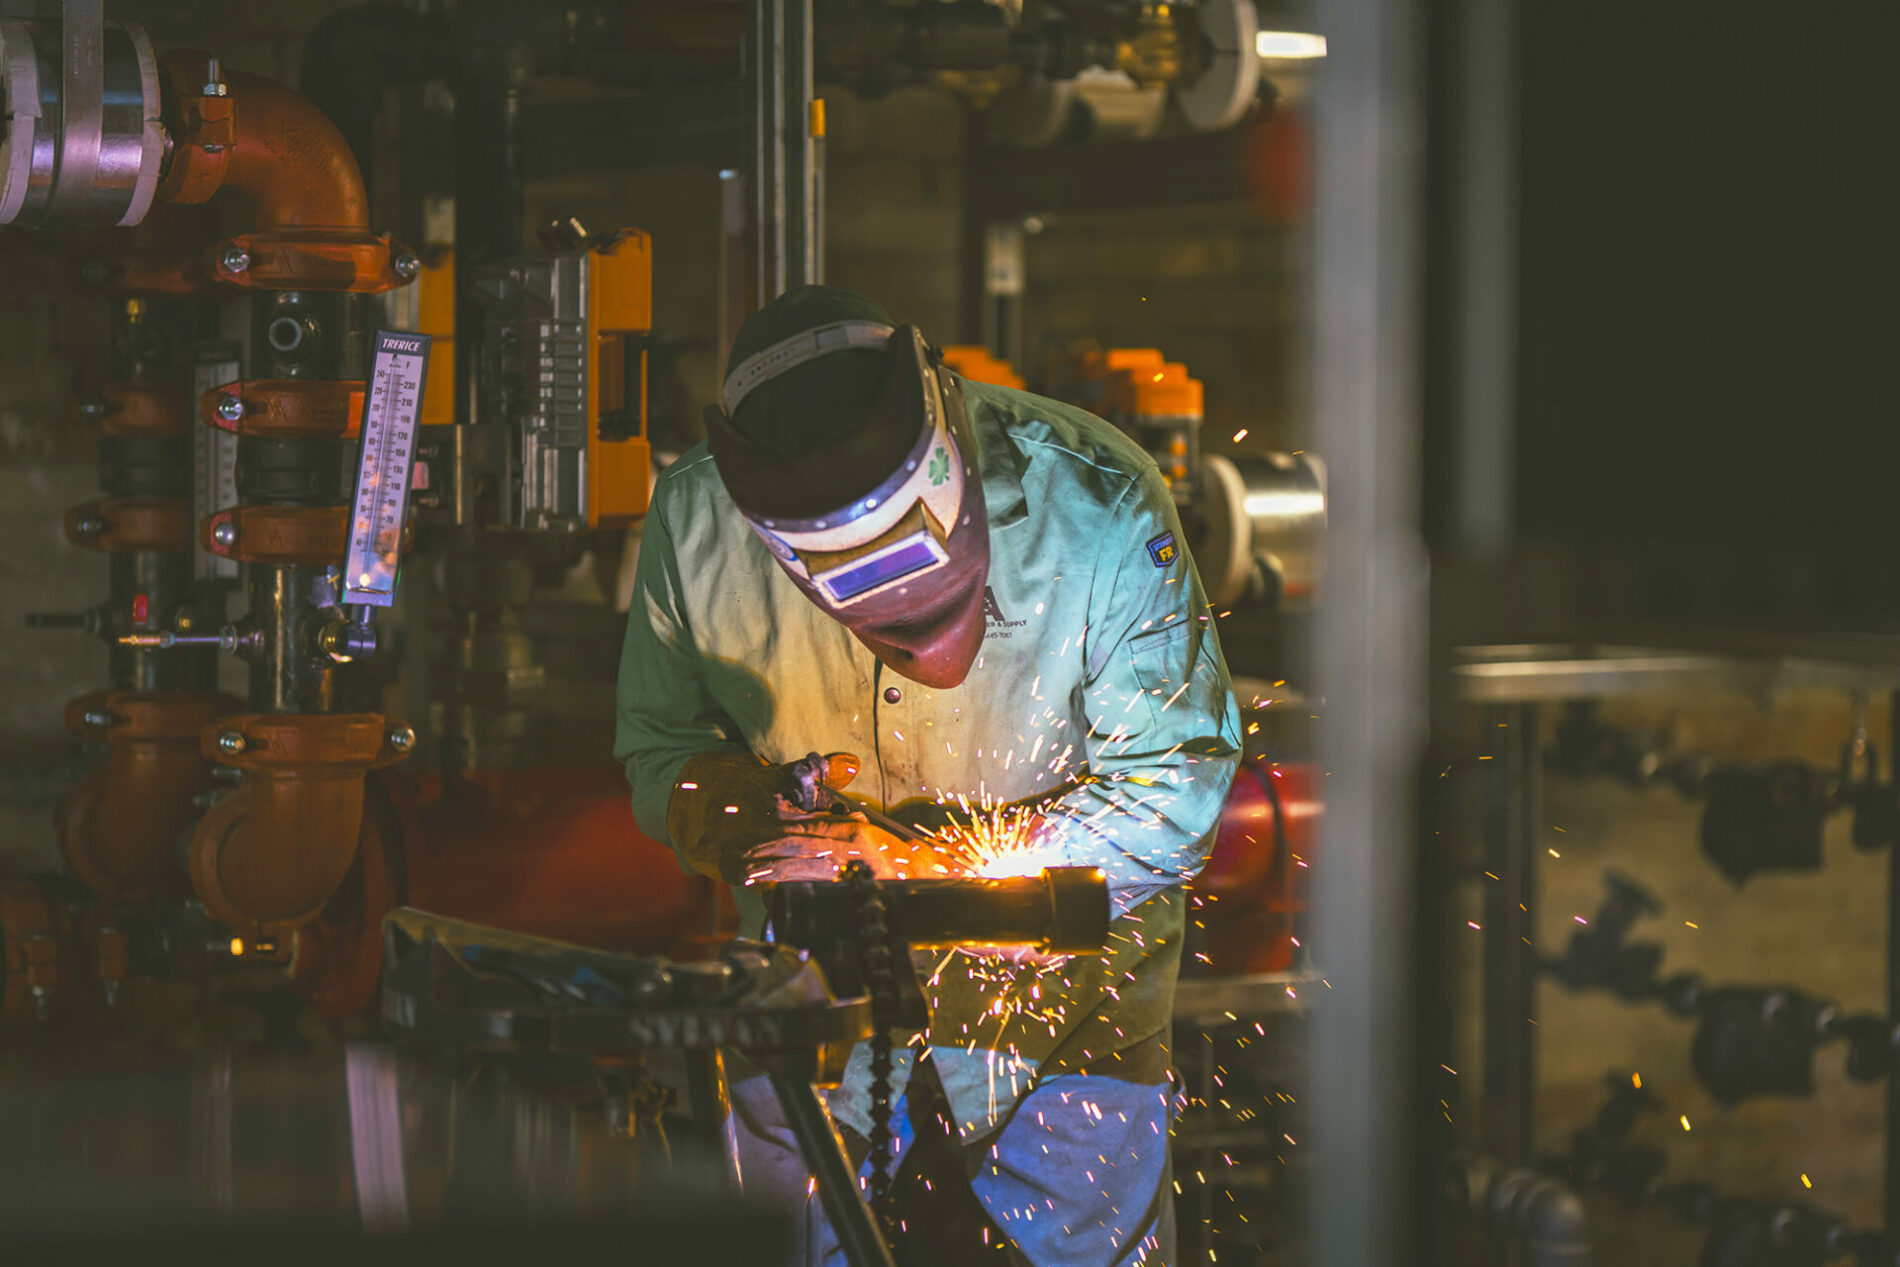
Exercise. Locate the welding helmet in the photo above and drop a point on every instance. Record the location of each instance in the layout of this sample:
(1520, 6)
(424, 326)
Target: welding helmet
(847, 448)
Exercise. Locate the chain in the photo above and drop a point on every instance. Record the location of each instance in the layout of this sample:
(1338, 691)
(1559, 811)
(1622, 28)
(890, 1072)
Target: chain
(874, 963)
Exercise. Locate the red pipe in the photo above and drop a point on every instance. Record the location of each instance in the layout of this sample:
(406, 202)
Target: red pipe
(260, 137)
(292, 161)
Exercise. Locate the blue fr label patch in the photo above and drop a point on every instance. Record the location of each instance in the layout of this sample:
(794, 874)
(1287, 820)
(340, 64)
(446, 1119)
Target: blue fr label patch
(1162, 549)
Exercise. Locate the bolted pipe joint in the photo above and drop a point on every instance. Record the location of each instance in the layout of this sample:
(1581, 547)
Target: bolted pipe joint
(267, 857)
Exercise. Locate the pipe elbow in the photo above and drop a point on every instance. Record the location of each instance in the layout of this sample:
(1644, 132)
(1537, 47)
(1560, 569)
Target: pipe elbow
(119, 829)
(1546, 1213)
(268, 857)
(292, 161)
(1556, 1229)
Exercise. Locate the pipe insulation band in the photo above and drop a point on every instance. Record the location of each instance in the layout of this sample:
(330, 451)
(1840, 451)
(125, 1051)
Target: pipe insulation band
(80, 137)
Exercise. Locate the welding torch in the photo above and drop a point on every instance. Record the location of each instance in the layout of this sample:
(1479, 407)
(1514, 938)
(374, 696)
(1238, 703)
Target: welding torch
(814, 795)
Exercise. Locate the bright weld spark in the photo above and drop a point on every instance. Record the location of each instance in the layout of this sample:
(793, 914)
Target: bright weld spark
(999, 842)
(1240, 435)
(1806, 1182)
(1685, 1121)
(1555, 854)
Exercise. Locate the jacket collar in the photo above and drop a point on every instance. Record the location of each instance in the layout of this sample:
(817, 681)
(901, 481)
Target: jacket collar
(999, 459)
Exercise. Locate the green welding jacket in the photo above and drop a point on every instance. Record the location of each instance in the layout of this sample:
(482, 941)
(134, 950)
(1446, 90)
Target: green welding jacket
(1100, 682)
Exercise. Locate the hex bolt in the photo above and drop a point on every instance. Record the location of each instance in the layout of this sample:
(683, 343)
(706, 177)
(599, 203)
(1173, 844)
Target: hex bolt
(224, 533)
(406, 264)
(214, 82)
(98, 717)
(402, 738)
(235, 258)
(89, 526)
(232, 743)
(231, 408)
(94, 409)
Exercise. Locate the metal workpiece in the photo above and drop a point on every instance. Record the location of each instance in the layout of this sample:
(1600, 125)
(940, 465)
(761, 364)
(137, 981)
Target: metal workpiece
(80, 102)
(1060, 910)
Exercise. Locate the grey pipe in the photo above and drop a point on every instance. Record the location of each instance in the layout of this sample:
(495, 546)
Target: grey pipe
(1541, 1210)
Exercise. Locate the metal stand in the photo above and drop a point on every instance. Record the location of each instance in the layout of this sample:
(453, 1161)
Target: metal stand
(1892, 1204)
(710, 1096)
(785, 183)
(1513, 804)
(811, 1124)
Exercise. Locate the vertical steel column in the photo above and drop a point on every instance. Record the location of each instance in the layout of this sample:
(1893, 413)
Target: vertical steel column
(1513, 808)
(489, 203)
(1893, 979)
(765, 143)
(1482, 168)
(784, 173)
(804, 227)
(1004, 244)
(1371, 640)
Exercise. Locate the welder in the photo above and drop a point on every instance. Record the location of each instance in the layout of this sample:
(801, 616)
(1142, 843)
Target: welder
(974, 598)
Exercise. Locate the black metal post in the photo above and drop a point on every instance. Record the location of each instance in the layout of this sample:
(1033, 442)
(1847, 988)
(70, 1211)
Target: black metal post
(1513, 807)
(765, 74)
(709, 1095)
(489, 202)
(858, 1234)
(1893, 980)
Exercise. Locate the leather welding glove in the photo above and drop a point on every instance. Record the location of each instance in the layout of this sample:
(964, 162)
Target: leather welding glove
(733, 817)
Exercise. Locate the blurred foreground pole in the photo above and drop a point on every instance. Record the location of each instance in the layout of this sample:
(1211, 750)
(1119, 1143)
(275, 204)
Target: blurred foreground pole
(1371, 637)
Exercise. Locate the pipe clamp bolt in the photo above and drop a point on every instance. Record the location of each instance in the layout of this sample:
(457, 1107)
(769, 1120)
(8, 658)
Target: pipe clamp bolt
(235, 258)
(402, 738)
(224, 533)
(406, 264)
(89, 526)
(231, 408)
(232, 743)
(98, 717)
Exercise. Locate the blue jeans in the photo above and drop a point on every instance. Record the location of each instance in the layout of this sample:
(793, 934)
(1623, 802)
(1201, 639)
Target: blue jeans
(1077, 1175)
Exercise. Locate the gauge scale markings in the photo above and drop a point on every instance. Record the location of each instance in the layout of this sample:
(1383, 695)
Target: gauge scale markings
(391, 413)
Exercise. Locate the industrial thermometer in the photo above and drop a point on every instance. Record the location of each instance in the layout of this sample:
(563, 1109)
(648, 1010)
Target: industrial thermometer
(392, 411)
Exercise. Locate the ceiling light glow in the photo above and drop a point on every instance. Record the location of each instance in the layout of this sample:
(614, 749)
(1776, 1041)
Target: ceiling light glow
(1290, 45)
